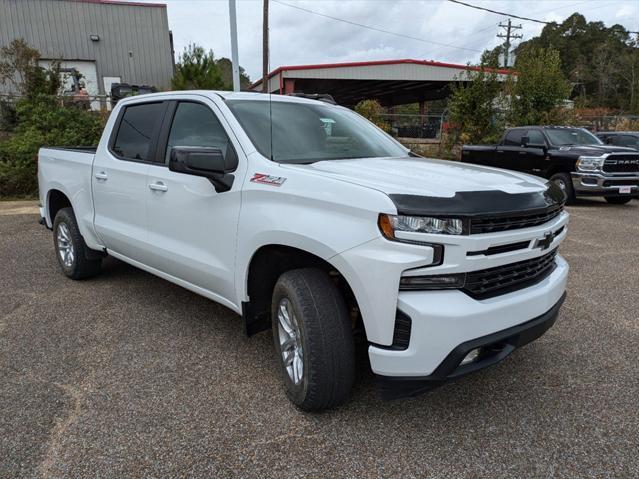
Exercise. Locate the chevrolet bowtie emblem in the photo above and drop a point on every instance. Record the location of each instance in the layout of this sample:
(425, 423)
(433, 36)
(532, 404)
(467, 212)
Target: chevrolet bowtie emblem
(545, 242)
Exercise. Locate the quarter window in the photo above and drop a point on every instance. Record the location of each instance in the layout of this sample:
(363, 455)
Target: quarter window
(136, 132)
(195, 124)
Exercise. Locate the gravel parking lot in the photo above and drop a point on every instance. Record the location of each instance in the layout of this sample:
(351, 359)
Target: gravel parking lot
(129, 375)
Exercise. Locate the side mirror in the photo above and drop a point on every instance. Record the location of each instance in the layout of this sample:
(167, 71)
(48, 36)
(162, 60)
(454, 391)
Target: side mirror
(207, 162)
(525, 142)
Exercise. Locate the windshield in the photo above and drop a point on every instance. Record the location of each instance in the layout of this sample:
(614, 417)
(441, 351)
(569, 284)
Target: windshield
(307, 132)
(571, 136)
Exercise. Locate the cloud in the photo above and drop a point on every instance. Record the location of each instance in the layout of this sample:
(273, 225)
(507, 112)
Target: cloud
(299, 37)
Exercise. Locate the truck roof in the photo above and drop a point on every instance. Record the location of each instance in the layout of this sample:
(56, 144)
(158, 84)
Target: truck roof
(226, 95)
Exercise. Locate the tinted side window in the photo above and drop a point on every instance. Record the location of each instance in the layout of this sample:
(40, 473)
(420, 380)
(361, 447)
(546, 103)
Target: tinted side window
(513, 137)
(195, 124)
(536, 137)
(136, 130)
(626, 140)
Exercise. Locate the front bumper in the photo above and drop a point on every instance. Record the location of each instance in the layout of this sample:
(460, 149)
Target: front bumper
(495, 347)
(441, 321)
(602, 184)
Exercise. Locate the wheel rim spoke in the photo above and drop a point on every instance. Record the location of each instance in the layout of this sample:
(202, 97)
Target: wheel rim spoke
(290, 341)
(65, 245)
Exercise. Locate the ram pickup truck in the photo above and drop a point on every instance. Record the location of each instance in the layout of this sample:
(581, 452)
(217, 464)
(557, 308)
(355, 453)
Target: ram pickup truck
(305, 218)
(573, 158)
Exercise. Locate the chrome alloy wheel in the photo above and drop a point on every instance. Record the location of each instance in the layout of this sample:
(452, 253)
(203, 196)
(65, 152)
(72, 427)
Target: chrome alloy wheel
(65, 245)
(561, 184)
(290, 341)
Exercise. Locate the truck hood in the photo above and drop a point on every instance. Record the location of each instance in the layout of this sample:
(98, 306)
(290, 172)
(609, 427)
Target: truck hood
(423, 177)
(592, 150)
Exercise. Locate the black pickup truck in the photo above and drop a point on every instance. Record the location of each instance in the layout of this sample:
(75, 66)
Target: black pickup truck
(573, 158)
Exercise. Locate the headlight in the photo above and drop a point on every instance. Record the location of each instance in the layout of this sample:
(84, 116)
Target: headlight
(590, 163)
(390, 224)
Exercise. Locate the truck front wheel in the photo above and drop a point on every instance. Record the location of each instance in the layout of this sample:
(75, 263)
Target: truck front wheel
(71, 250)
(313, 339)
(564, 181)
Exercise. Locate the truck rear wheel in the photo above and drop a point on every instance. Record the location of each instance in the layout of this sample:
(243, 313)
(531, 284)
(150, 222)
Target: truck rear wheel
(564, 181)
(71, 250)
(313, 339)
(618, 200)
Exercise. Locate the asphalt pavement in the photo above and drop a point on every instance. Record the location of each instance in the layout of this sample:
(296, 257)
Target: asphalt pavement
(127, 375)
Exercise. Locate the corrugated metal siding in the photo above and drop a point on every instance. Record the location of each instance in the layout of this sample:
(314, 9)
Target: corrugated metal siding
(60, 29)
(402, 71)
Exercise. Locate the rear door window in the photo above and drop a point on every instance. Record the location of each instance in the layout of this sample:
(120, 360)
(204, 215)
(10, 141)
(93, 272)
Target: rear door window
(513, 137)
(138, 127)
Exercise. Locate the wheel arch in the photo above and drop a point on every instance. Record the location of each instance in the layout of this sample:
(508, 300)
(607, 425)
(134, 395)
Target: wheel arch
(559, 168)
(266, 265)
(56, 200)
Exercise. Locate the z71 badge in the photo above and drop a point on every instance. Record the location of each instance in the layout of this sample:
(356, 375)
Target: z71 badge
(268, 179)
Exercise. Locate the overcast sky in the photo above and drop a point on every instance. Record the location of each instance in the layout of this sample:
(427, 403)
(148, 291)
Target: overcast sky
(299, 37)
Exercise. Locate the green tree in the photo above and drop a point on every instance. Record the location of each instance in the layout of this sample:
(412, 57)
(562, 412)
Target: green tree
(538, 91)
(197, 70)
(226, 69)
(593, 58)
(20, 70)
(473, 108)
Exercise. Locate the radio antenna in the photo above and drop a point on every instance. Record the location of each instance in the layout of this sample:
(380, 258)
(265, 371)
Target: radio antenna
(266, 68)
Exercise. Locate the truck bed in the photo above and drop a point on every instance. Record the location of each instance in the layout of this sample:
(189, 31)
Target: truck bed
(69, 171)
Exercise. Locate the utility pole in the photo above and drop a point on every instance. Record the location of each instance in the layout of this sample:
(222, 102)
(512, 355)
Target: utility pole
(265, 65)
(234, 56)
(508, 36)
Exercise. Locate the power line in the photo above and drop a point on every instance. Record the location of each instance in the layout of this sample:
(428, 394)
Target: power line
(471, 34)
(377, 29)
(505, 14)
(477, 7)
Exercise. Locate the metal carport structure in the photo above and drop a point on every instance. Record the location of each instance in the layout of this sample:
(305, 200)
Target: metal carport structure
(391, 82)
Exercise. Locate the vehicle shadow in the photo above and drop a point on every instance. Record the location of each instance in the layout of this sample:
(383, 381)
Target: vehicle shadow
(215, 331)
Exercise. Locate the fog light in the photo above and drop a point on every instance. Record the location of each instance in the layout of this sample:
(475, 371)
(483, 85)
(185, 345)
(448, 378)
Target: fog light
(471, 357)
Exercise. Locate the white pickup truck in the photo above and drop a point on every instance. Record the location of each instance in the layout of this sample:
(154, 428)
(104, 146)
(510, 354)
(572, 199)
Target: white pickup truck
(305, 218)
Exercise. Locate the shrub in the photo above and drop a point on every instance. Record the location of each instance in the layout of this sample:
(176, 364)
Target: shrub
(42, 121)
(372, 111)
(18, 177)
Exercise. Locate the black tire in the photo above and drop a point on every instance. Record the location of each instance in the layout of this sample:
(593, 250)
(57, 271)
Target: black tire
(80, 266)
(564, 181)
(618, 200)
(325, 333)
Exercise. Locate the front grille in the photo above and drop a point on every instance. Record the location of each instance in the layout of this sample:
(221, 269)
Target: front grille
(492, 282)
(493, 224)
(621, 163)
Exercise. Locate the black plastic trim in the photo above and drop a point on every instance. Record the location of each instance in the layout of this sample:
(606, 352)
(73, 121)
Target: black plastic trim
(401, 333)
(504, 248)
(498, 345)
(470, 204)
